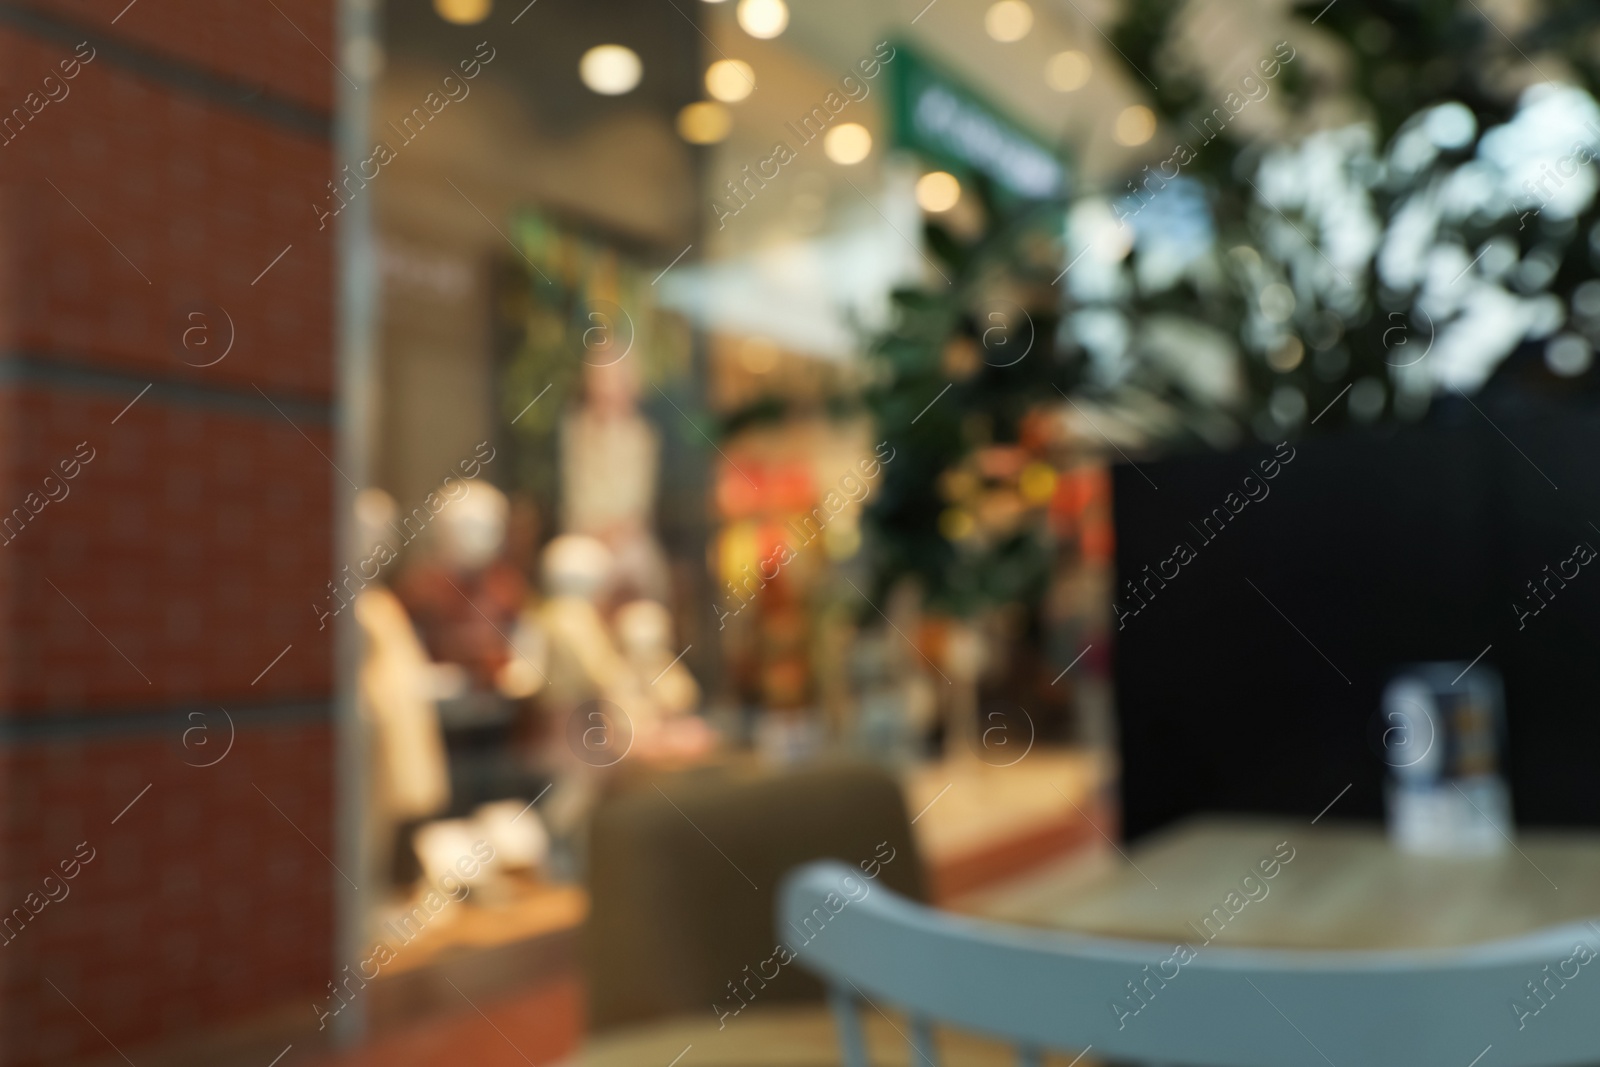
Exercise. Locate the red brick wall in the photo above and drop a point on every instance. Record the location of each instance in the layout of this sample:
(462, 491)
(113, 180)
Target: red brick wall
(186, 554)
(246, 41)
(201, 907)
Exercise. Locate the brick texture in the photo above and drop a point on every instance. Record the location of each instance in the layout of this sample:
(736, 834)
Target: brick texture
(194, 544)
(201, 904)
(137, 206)
(183, 557)
(285, 45)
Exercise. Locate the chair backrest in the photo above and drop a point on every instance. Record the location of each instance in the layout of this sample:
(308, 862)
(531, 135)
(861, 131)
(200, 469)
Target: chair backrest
(1532, 998)
(683, 875)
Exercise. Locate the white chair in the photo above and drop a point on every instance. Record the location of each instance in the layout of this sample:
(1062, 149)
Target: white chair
(1040, 989)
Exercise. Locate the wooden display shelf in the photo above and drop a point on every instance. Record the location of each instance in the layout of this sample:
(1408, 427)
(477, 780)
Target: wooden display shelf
(477, 950)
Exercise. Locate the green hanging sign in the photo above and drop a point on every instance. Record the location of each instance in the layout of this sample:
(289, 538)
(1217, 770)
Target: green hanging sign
(935, 114)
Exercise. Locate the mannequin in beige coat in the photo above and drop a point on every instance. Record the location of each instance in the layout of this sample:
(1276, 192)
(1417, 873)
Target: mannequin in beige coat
(397, 685)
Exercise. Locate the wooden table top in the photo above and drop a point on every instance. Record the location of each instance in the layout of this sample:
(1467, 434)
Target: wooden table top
(1344, 887)
(977, 824)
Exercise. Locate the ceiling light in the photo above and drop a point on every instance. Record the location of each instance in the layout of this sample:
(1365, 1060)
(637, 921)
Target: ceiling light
(848, 143)
(1067, 71)
(706, 122)
(610, 69)
(763, 18)
(463, 12)
(1134, 126)
(1008, 20)
(938, 191)
(730, 80)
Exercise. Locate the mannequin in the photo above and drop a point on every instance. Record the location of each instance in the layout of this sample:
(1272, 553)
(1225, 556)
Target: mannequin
(584, 665)
(665, 722)
(644, 630)
(466, 598)
(610, 458)
(397, 685)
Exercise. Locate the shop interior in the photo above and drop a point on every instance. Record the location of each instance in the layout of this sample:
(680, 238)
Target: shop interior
(765, 403)
(629, 426)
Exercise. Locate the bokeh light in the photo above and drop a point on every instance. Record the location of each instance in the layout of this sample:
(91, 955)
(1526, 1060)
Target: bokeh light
(848, 143)
(1008, 20)
(1068, 71)
(610, 69)
(463, 12)
(1134, 126)
(763, 18)
(938, 191)
(730, 80)
(705, 122)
